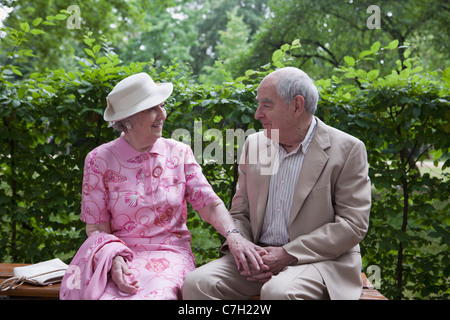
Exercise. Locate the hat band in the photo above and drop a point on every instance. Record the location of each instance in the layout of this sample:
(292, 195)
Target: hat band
(130, 100)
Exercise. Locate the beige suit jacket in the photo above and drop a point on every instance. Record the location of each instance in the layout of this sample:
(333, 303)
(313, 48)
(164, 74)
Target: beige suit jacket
(330, 209)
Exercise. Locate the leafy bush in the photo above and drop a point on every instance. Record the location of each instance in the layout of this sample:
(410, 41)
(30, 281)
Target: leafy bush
(403, 119)
(49, 121)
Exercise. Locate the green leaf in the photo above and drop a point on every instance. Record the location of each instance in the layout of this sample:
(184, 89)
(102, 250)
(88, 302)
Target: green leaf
(285, 47)
(373, 74)
(24, 26)
(16, 71)
(361, 73)
(88, 41)
(416, 111)
(37, 31)
(349, 60)
(277, 55)
(407, 53)
(393, 45)
(102, 60)
(436, 154)
(71, 75)
(446, 73)
(89, 52)
(296, 43)
(248, 73)
(205, 102)
(417, 70)
(96, 48)
(245, 118)
(36, 22)
(347, 96)
(48, 23)
(375, 47)
(21, 92)
(60, 17)
(365, 53)
(279, 64)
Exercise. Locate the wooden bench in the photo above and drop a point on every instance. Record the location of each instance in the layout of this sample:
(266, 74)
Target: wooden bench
(29, 291)
(368, 291)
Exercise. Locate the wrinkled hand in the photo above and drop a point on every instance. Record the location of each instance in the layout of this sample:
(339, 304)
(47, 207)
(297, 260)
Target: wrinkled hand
(246, 254)
(275, 259)
(120, 275)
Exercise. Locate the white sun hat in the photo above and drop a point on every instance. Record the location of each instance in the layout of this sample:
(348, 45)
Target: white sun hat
(134, 94)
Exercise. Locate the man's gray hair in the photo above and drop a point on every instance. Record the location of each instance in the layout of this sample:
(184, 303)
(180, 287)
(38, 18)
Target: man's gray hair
(292, 82)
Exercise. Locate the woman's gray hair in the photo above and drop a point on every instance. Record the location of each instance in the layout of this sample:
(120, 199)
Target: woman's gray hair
(292, 82)
(123, 125)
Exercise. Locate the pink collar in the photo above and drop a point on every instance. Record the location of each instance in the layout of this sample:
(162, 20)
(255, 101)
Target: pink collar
(127, 152)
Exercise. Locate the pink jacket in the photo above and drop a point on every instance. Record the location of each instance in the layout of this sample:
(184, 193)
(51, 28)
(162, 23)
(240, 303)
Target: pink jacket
(87, 275)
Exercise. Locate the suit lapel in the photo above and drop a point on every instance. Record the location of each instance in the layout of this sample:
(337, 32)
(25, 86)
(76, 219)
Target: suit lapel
(313, 164)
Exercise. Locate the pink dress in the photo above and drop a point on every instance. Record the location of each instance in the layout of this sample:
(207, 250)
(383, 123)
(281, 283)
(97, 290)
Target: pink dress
(143, 196)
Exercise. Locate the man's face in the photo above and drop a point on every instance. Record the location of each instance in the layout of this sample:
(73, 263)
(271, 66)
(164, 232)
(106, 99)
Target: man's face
(273, 112)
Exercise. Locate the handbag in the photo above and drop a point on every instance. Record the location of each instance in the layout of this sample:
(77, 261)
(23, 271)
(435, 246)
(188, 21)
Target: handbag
(42, 273)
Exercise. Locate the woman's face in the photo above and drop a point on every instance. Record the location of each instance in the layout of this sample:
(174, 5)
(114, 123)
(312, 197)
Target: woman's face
(147, 127)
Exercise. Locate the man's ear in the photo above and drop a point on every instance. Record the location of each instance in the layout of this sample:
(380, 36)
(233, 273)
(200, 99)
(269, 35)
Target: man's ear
(299, 105)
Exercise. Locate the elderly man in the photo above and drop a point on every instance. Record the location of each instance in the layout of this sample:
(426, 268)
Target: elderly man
(307, 217)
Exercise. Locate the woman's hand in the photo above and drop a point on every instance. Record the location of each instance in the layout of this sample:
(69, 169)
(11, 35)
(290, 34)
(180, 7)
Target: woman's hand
(121, 276)
(246, 254)
(275, 260)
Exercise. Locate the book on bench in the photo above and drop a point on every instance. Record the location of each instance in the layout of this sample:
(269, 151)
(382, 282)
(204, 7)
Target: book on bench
(42, 273)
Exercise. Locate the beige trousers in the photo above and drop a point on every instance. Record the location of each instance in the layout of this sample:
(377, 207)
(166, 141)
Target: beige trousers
(220, 279)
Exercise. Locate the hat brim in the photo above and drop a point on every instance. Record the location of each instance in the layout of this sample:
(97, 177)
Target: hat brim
(164, 90)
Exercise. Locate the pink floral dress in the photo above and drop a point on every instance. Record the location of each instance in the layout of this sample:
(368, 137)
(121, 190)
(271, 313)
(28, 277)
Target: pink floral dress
(143, 196)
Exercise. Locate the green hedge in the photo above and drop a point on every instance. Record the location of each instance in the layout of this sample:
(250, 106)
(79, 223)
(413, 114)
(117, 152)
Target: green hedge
(49, 122)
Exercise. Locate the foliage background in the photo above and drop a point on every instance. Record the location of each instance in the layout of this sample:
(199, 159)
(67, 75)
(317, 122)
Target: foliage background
(389, 87)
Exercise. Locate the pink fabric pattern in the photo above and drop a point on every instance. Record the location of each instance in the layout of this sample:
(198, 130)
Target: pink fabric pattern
(87, 275)
(143, 196)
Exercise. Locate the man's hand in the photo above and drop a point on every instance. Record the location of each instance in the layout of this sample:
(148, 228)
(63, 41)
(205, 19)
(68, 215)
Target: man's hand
(120, 275)
(275, 259)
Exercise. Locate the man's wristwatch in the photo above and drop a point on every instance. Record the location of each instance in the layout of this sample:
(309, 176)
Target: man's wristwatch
(233, 231)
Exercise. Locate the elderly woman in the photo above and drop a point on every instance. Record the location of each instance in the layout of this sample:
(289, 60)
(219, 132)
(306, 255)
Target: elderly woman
(134, 198)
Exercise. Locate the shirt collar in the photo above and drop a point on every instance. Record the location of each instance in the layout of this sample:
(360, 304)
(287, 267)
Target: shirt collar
(305, 143)
(126, 152)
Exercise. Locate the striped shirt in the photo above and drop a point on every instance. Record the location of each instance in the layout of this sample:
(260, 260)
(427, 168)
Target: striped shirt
(281, 192)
